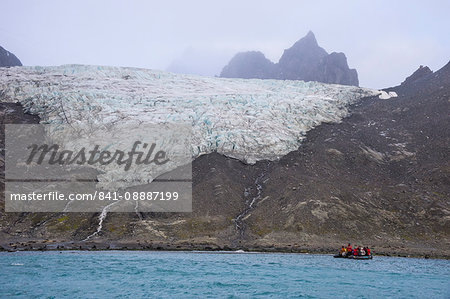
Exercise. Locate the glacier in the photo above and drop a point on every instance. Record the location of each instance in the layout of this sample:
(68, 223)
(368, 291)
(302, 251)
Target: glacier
(246, 119)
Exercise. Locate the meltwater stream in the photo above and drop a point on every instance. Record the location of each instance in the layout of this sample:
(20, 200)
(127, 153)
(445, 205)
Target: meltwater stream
(252, 198)
(131, 274)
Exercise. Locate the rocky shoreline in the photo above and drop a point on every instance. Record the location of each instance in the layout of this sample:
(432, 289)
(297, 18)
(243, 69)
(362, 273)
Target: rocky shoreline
(52, 245)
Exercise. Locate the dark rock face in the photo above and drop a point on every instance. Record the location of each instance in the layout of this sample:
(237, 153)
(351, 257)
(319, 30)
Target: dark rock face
(8, 59)
(302, 60)
(420, 73)
(249, 65)
(305, 60)
(334, 69)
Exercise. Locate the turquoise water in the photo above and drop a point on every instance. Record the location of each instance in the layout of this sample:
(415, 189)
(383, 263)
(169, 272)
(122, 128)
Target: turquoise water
(139, 274)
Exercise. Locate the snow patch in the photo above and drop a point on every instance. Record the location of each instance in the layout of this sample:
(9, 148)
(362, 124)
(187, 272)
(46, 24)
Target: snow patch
(387, 95)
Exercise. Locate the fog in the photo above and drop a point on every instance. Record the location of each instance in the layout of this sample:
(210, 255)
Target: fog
(384, 40)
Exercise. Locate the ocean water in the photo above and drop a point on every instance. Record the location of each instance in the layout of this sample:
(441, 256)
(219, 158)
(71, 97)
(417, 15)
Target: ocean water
(140, 274)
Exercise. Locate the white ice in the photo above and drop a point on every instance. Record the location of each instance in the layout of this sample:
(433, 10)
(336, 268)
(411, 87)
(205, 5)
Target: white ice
(245, 119)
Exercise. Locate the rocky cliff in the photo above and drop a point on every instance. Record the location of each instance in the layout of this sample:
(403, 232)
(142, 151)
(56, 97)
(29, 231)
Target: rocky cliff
(8, 59)
(249, 65)
(305, 60)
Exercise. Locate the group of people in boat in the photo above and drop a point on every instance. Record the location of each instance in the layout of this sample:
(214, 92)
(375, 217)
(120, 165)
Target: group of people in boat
(358, 251)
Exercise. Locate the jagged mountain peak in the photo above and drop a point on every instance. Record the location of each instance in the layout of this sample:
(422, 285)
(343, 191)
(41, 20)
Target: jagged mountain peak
(421, 72)
(310, 34)
(309, 40)
(251, 64)
(305, 60)
(8, 59)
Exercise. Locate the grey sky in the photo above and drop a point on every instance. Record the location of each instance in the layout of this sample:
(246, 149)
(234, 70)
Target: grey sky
(384, 40)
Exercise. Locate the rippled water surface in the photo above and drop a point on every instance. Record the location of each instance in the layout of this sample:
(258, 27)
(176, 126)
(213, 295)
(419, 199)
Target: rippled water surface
(188, 274)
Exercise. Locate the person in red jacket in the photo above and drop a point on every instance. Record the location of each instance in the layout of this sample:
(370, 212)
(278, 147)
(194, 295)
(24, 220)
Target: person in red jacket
(349, 248)
(367, 251)
(355, 251)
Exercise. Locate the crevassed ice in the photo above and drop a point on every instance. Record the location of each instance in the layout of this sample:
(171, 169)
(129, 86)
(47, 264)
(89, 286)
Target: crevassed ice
(245, 119)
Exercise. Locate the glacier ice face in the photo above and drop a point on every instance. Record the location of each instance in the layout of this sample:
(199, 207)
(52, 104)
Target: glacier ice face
(245, 119)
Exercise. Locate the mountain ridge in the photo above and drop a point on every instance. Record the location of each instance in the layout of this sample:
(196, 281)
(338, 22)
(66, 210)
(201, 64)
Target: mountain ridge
(8, 59)
(305, 60)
